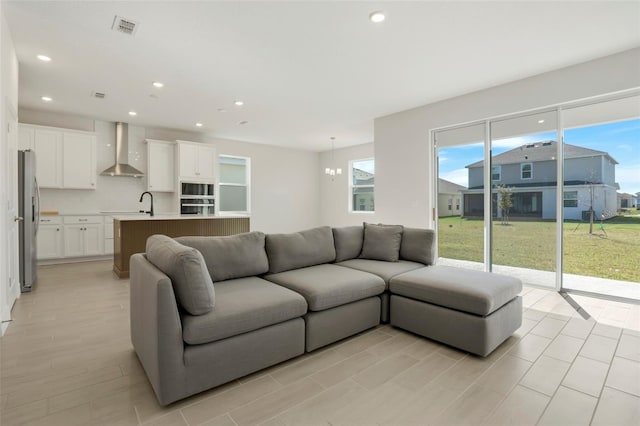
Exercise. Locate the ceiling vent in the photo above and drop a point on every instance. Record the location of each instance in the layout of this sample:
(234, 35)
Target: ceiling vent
(98, 95)
(123, 25)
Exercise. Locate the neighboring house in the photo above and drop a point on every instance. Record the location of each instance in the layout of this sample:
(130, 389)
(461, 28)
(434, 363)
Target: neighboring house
(530, 171)
(363, 196)
(449, 198)
(627, 201)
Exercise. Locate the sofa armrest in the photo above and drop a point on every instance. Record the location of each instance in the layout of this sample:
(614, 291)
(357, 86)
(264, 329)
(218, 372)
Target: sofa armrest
(156, 329)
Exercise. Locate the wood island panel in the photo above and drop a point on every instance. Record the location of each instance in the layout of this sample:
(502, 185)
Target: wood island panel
(130, 236)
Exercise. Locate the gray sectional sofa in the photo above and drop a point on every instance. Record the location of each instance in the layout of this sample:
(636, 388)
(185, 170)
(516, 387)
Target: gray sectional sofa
(208, 310)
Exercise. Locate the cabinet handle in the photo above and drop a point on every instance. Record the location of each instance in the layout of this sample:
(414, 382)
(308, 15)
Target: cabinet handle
(57, 229)
(82, 220)
(92, 184)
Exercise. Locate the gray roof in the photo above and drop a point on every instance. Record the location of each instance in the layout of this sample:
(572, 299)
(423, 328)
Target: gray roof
(446, 187)
(540, 151)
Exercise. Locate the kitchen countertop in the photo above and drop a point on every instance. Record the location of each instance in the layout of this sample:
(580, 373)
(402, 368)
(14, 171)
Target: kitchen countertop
(133, 217)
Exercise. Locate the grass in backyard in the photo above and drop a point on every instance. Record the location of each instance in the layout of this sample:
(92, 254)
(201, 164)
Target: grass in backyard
(610, 253)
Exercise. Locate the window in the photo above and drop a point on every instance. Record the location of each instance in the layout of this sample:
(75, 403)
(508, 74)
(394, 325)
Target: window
(571, 198)
(526, 171)
(496, 173)
(361, 185)
(234, 177)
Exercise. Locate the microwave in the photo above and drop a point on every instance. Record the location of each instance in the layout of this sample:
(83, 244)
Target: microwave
(192, 189)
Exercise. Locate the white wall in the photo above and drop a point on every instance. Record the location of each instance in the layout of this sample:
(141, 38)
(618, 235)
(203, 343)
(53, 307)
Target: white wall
(285, 182)
(404, 164)
(8, 100)
(334, 193)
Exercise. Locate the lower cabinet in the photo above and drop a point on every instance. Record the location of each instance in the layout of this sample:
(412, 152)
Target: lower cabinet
(50, 240)
(70, 236)
(83, 240)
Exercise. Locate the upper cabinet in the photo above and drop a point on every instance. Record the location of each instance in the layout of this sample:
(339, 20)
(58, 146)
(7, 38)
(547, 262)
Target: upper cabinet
(48, 147)
(79, 160)
(64, 158)
(160, 166)
(196, 161)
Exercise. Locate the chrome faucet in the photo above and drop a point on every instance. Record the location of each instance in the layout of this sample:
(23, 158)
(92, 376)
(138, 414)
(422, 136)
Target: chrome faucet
(151, 196)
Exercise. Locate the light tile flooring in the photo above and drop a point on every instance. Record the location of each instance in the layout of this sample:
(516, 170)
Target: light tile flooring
(67, 360)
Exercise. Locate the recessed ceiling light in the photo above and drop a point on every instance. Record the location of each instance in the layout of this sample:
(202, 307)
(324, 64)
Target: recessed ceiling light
(243, 122)
(133, 113)
(239, 103)
(540, 121)
(44, 58)
(376, 17)
(158, 84)
(46, 98)
(198, 124)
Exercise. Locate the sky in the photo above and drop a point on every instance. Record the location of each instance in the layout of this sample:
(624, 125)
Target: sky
(620, 139)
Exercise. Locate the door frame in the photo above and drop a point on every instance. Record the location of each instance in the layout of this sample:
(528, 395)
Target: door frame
(9, 267)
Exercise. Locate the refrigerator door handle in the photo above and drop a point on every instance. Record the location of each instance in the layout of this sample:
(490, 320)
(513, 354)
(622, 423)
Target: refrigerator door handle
(37, 206)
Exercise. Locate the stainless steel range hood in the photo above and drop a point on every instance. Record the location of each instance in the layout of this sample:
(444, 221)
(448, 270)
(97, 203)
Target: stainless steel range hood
(122, 166)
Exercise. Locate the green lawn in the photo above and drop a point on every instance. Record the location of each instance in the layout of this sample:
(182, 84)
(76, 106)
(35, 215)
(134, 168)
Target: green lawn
(530, 244)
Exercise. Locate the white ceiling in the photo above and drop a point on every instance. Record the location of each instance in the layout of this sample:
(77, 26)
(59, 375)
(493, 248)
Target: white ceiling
(305, 70)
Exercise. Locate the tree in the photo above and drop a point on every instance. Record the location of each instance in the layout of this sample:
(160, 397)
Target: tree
(505, 202)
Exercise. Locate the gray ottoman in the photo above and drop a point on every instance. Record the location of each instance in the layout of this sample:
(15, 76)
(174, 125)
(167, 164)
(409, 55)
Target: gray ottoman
(470, 310)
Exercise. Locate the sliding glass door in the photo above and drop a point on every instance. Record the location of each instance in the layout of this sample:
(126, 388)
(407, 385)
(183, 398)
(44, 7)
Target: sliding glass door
(523, 197)
(551, 196)
(601, 230)
(460, 200)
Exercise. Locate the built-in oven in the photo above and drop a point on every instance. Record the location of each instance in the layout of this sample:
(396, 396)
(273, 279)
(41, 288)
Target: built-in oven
(197, 198)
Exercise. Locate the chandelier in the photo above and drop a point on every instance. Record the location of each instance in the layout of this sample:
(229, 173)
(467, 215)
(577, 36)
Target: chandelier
(330, 171)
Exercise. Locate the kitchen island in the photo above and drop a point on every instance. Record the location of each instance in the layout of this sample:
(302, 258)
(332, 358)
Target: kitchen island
(130, 232)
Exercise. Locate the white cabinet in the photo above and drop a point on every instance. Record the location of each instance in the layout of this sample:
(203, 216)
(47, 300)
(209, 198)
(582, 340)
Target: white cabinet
(26, 137)
(83, 236)
(160, 166)
(196, 161)
(64, 158)
(79, 160)
(48, 148)
(50, 238)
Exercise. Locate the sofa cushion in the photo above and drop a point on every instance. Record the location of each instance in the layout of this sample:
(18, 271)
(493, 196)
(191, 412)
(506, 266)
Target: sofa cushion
(417, 245)
(242, 305)
(381, 242)
(235, 256)
(385, 270)
(300, 249)
(348, 242)
(326, 286)
(187, 270)
(465, 290)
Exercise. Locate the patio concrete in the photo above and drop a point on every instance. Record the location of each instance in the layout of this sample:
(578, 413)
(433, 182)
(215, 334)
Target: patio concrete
(547, 279)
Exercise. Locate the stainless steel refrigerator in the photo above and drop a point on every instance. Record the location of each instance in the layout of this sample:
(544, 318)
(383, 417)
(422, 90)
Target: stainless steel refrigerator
(29, 211)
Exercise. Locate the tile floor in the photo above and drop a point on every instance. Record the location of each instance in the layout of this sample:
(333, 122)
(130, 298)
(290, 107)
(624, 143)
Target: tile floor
(67, 360)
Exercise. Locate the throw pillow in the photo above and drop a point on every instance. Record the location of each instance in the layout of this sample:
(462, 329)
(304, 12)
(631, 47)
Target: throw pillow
(381, 242)
(187, 270)
(348, 241)
(417, 245)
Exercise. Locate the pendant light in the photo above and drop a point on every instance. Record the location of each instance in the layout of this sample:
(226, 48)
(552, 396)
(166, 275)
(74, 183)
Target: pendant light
(329, 171)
